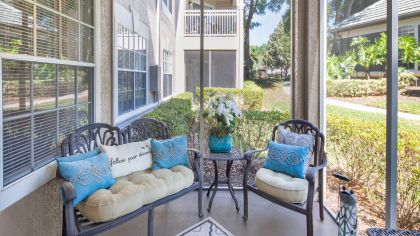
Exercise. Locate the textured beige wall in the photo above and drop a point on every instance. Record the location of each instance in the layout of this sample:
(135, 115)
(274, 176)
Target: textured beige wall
(105, 78)
(306, 60)
(38, 214)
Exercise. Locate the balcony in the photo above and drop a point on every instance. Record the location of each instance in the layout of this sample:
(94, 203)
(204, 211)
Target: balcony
(217, 23)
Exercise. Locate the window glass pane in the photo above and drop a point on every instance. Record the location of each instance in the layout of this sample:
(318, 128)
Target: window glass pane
(16, 87)
(120, 58)
(47, 33)
(53, 4)
(125, 92)
(66, 85)
(137, 61)
(45, 138)
(126, 59)
(143, 62)
(86, 11)
(70, 8)
(131, 59)
(84, 116)
(67, 122)
(87, 44)
(140, 93)
(120, 37)
(69, 39)
(44, 86)
(84, 84)
(16, 161)
(16, 28)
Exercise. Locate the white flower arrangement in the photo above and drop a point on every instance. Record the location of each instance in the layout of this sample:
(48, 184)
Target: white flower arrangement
(223, 114)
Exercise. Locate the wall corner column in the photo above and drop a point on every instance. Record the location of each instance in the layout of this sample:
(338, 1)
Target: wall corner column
(306, 66)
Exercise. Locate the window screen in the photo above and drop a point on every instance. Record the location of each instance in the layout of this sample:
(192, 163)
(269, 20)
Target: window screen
(132, 70)
(43, 102)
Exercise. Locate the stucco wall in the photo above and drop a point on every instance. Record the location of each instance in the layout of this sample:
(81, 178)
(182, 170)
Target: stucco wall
(38, 214)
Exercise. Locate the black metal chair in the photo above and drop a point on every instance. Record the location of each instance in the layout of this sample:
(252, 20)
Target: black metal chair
(319, 162)
(89, 137)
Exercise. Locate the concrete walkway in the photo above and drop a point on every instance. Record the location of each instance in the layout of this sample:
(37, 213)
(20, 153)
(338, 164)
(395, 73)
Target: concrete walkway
(359, 107)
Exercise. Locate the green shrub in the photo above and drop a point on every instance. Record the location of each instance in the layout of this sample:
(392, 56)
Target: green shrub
(251, 95)
(341, 67)
(177, 113)
(255, 129)
(356, 147)
(363, 87)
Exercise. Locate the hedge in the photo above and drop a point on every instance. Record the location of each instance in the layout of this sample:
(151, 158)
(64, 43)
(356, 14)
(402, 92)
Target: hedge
(177, 113)
(255, 129)
(251, 95)
(364, 87)
(356, 148)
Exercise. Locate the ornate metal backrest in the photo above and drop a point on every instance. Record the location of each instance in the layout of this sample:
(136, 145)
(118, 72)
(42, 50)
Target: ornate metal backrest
(145, 128)
(304, 127)
(88, 137)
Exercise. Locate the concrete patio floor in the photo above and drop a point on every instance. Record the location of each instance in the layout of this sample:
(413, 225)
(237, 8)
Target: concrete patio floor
(265, 218)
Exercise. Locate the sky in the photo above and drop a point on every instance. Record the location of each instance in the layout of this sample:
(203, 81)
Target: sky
(269, 21)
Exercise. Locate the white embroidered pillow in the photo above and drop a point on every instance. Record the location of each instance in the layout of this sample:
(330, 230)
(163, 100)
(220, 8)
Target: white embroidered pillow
(287, 137)
(128, 158)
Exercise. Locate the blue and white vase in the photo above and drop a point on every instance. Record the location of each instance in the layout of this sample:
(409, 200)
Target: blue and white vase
(220, 144)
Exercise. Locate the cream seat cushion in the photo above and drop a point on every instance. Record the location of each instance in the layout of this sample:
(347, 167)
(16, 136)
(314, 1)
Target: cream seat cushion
(133, 191)
(281, 186)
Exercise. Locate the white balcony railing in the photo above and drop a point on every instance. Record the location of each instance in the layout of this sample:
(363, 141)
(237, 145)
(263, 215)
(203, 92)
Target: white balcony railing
(217, 23)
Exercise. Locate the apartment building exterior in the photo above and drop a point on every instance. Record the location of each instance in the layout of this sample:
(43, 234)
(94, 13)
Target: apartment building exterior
(67, 63)
(371, 22)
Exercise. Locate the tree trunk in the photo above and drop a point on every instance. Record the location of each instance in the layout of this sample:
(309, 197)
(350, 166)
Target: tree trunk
(247, 58)
(348, 5)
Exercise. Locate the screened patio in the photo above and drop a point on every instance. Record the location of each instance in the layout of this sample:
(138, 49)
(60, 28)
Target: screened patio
(71, 63)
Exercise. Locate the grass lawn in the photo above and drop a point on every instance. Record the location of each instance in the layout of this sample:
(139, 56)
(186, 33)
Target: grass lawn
(405, 103)
(275, 98)
(370, 116)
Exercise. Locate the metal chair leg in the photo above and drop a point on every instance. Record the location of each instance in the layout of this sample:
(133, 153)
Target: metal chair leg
(309, 224)
(150, 219)
(321, 195)
(200, 201)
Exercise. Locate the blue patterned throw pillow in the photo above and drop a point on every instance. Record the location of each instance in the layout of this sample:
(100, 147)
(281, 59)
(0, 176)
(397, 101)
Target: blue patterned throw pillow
(79, 157)
(287, 159)
(288, 137)
(87, 175)
(169, 153)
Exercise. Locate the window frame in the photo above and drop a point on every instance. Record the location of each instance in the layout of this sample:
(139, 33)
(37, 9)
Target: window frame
(30, 182)
(126, 18)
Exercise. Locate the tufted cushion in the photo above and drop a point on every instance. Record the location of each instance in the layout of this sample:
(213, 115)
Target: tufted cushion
(133, 191)
(281, 186)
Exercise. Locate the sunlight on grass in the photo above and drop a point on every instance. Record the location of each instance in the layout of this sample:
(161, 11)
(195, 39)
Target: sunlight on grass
(412, 107)
(369, 116)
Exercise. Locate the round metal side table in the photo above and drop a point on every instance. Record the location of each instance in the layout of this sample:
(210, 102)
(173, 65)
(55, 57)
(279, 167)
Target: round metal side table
(235, 155)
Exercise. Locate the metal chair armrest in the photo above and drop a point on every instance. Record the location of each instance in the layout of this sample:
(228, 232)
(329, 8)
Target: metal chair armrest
(197, 163)
(310, 173)
(67, 190)
(249, 154)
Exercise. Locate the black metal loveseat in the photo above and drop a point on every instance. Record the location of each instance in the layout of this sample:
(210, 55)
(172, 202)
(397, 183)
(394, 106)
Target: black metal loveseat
(87, 138)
